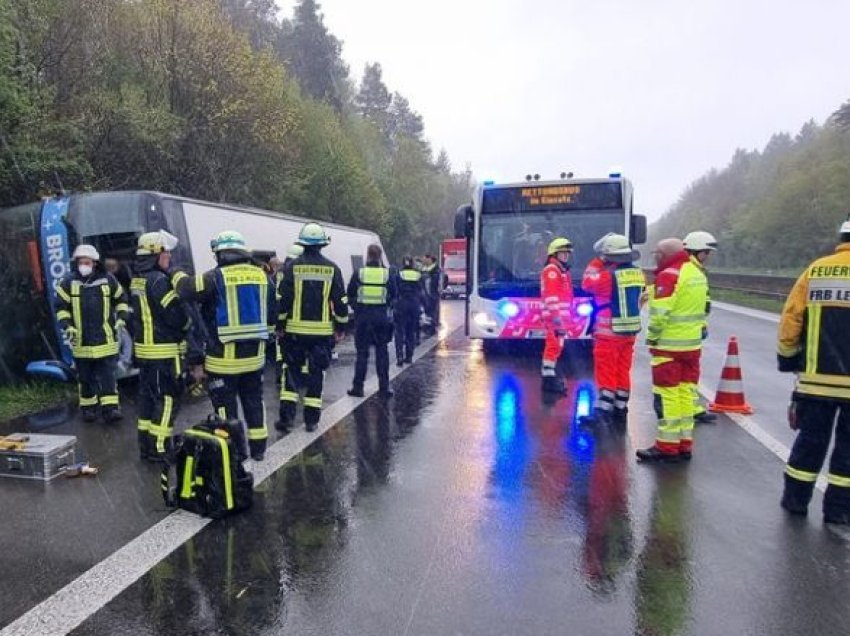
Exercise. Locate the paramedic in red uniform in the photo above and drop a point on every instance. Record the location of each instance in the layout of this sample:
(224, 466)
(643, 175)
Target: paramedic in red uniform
(616, 284)
(556, 289)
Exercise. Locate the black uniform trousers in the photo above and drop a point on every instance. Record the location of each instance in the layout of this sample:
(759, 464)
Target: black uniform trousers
(160, 385)
(96, 377)
(372, 330)
(227, 392)
(816, 419)
(305, 359)
(406, 328)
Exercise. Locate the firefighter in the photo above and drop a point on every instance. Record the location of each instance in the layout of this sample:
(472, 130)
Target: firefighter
(160, 323)
(556, 288)
(700, 245)
(813, 343)
(236, 303)
(292, 253)
(92, 312)
(313, 312)
(407, 310)
(372, 292)
(676, 324)
(616, 284)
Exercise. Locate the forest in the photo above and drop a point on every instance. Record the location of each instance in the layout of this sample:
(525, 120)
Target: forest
(221, 100)
(772, 209)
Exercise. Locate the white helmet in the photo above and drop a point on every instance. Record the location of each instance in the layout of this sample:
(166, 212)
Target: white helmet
(313, 234)
(152, 243)
(86, 251)
(845, 227)
(616, 248)
(295, 250)
(700, 241)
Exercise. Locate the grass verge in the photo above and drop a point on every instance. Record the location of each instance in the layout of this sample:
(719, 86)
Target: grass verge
(744, 299)
(21, 399)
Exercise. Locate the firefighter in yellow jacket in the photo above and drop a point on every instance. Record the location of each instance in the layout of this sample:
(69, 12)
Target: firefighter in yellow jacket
(814, 344)
(237, 305)
(92, 309)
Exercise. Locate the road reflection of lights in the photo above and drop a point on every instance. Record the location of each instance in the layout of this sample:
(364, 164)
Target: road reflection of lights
(581, 442)
(512, 448)
(506, 408)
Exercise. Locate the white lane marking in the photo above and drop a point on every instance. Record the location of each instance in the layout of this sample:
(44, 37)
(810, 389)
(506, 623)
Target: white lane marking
(67, 608)
(749, 424)
(746, 311)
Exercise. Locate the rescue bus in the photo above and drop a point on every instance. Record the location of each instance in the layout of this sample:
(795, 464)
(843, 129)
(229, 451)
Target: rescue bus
(39, 238)
(509, 227)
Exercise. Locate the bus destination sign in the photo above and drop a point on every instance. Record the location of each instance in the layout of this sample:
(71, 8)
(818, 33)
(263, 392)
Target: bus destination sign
(568, 197)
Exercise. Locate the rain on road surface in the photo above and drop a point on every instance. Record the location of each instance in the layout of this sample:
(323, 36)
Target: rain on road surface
(467, 505)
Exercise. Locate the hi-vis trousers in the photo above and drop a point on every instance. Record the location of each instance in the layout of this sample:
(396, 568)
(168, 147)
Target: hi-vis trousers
(675, 375)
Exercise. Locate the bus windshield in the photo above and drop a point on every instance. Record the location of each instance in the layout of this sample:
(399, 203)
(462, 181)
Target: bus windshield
(26, 326)
(513, 247)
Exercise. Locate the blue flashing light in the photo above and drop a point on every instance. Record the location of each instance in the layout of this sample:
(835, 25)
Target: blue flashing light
(508, 309)
(584, 309)
(489, 183)
(583, 401)
(615, 175)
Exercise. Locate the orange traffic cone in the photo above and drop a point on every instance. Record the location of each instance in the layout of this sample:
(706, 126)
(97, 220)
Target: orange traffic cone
(730, 393)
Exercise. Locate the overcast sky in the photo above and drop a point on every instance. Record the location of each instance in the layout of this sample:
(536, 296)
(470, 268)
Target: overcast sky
(664, 88)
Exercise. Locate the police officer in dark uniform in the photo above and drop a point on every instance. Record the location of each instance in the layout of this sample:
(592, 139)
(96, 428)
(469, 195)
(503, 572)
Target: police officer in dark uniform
(92, 310)
(159, 324)
(237, 304)
(408, 307)
(313, 310)
(432, 279)
(372, 291)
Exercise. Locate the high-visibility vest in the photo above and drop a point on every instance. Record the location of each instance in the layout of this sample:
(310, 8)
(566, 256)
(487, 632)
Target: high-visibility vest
(312, 310)
(373, 285)
(628, 285)
(676, 321)
(242, 303)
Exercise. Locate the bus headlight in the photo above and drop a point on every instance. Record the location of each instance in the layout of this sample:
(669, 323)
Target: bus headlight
(584, 309)
(483, 320)
(508, 309)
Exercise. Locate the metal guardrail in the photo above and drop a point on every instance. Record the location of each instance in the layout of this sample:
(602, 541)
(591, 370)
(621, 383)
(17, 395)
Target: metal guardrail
(776, 287)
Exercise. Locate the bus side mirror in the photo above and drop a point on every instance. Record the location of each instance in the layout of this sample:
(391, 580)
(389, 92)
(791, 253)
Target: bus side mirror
(638, 229)
(463, 221)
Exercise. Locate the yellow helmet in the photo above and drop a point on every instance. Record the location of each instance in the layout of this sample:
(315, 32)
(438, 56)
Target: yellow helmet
(560, 244)
(155, 243)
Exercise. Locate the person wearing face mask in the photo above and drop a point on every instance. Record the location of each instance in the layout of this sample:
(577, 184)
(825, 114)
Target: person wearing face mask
(556, 288)
(160, 324)
(92, 311)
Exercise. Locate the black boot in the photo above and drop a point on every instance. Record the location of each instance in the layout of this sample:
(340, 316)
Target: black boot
(654, 455)
(399, 362)
(258, 449)
(356, 391)
(311, 426)
(284, 424)
(552, 384)
(705, 418)
(794, 507)
(837, 518)
(89, 413)
(599, 418)
(112, 414)
(408, 360)
(386, 392)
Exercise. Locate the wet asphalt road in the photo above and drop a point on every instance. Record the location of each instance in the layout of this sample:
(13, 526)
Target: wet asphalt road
(466, 505)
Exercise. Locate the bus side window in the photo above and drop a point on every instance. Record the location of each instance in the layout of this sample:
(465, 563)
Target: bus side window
(175, 222)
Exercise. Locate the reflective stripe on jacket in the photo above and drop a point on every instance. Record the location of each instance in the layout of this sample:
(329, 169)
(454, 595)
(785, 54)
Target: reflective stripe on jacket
(616, 293)
(92, 305)
(312, 296)
(677, 306)
(372, 289)
(815, 325)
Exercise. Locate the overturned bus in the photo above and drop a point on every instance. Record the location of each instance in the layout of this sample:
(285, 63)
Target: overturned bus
(39, 238)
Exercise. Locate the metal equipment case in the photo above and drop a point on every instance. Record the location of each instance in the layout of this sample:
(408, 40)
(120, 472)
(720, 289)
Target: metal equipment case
(43, 457)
